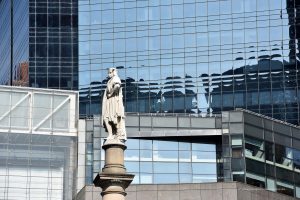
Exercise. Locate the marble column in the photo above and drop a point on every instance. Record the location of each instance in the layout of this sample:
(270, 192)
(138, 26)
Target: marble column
(113, 178)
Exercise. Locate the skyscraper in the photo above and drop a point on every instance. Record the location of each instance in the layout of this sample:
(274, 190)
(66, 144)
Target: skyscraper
(42, 34)
(195, 56)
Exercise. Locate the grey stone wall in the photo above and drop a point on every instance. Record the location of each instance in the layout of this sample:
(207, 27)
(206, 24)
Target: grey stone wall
(203, 191)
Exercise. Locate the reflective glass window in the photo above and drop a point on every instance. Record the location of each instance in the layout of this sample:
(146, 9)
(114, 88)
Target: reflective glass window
(165, 167)
(165, 155)
(164, 145)
(254, 148)
(204, 168)
(284, 156)
(269, 149)
(165, 178)
(203, 147)
(146, 167)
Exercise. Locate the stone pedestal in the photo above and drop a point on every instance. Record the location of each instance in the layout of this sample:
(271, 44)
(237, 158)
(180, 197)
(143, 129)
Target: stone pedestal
(113, 179)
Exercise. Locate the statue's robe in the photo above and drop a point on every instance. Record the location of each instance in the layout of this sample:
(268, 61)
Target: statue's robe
(113, 108)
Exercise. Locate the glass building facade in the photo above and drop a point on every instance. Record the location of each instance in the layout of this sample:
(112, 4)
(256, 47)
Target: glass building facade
(14, 51)
(153, 159)
(38, 143)
(194, 56)
(37, 166)
(53, 44)
(261, 151)
(238, 146)
(160, 162)
(39, 43)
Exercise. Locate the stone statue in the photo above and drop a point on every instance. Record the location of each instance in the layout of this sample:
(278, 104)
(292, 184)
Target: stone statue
(112, 108)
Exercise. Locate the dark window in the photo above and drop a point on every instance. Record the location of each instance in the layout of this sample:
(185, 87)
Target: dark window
(283, 155)
(32, 21)
(31, 50)
(66, 50)
(65, 20)
(41, 81)
(255, 167)
(41, 20)
(41, 50)
(296, 155)
(53, 20)
(53, 70)
(255, 182)
(269, 151)
(53, 82)
(53, 50)
(281, 188)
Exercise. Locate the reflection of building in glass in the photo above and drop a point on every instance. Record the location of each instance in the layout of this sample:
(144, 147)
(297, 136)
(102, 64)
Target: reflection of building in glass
(263, 88)
(171, 55)
(43, 34)
(20, 77)
(16, 51)
(293, 12)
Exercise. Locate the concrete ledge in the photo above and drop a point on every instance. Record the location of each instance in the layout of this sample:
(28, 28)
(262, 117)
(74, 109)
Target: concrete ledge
(211, 191)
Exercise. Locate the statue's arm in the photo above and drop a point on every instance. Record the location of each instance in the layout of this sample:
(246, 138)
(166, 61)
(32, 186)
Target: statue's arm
(114, 90)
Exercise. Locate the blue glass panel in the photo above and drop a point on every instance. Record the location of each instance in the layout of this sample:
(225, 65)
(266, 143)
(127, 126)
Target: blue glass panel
(165, 178)
(146, 155)
(146, 178)
(202, 156)
(164, 145)
(146, 167)
(185, 178)
(189, 10)
(165, 156)
(204, 168)
(201, 9)
(165, 167)
(119, 16)
(185, 168)
(165, 12)
(132, 155)
(214, 8)
(132, 166)
(154, 13)
(145, 144)
(184, 146)
(177, 11)
(132, 144)
(106, 16)
(203, 147)
(185, 156)
(204, 178)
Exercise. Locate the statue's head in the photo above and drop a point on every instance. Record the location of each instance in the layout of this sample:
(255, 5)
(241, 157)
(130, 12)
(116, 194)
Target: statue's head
(112, 72)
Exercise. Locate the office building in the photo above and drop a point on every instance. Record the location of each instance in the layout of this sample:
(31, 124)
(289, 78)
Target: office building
(43, 34)
(194, 56)
(38, 143)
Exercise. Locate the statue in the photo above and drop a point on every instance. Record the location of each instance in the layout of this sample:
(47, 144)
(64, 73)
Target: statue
(113, 118)
(113, 178)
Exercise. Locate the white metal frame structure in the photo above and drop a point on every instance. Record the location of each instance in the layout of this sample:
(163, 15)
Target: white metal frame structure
(38, 111)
